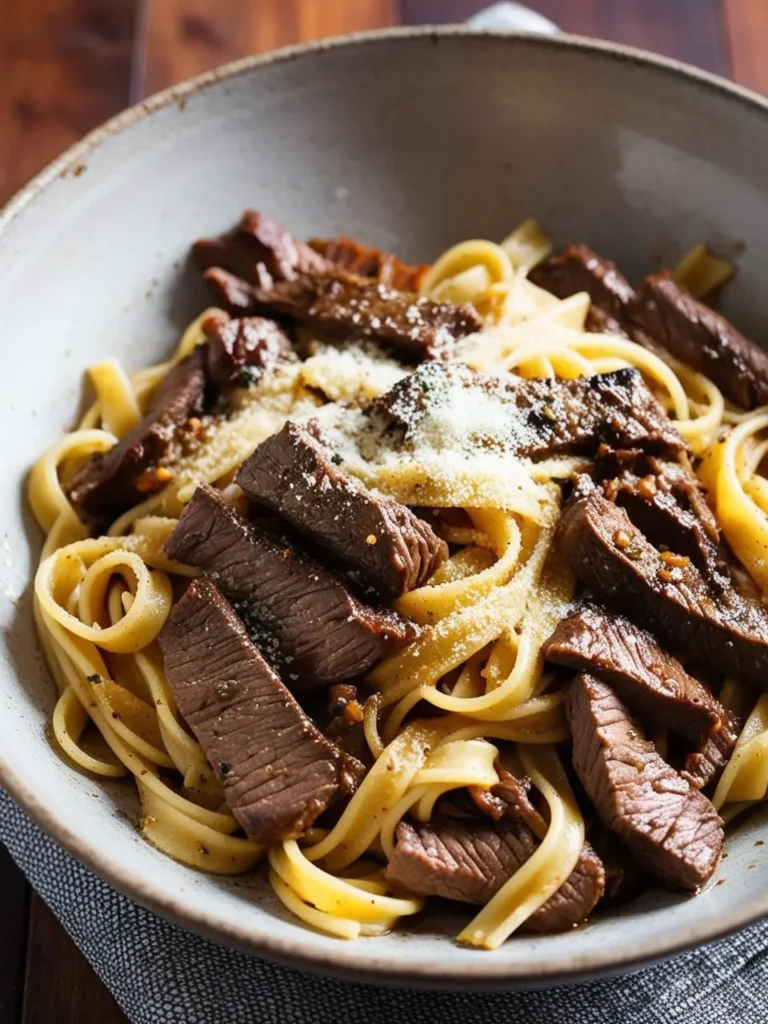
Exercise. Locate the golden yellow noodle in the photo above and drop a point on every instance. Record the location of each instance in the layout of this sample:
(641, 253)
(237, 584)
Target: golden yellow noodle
(701, 273)
(100, 602)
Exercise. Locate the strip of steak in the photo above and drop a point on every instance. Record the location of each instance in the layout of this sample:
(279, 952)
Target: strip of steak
(579, 269)
(277, 770)
(391, 549)
(653, 683)
(576, 898)
(343, 721)
(347, 254)
(301, 614)
(230, 291)
(342, 303)
(671, 828)
(666, 503)
(469, 860)
(599, 322)
(704, 767)
(250, 344)
(509, 800)
(695, 334)
(255, 240)
(531, 418)
(592, 639)
(109, 483)
(617, 564)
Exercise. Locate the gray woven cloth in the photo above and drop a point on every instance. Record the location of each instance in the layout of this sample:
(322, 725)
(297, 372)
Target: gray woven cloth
(162, 975)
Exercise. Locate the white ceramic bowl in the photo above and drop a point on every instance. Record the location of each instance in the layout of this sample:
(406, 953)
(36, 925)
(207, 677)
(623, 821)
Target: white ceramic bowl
(410, 140)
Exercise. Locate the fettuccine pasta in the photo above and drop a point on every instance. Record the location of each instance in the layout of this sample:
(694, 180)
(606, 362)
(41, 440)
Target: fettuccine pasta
(439, 712)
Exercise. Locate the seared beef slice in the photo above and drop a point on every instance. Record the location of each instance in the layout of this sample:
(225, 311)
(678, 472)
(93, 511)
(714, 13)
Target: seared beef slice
(666, 503)
(617, 564)
(576, 416)
(278, 771)
(470, 860)
(347, 254)
(671, 828)
(258, 240)
(322, 632)
(653, 683)
(250, 342)
(111, 482)
(592, 639)
(578, 269)
(509, 800)
(343, 303)
(392, 549)
(695, 334)
(532, 418)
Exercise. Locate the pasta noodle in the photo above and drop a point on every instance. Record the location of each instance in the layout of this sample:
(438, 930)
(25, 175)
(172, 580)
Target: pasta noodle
(100, 602)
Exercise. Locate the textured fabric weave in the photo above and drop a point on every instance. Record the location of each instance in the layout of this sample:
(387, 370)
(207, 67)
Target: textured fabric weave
(162, 975)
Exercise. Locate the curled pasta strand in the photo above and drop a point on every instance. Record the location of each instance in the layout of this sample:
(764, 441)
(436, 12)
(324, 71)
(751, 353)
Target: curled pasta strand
(102, 559)
(433, 602)
(458, 636)
(551, 863)
(385, 784)
(465, 257)
(333, 895)
(741, 518)
(745, 777)
(44, 490)
(69, 721)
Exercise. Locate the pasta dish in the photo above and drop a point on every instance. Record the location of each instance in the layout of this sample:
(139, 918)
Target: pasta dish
(419, 582)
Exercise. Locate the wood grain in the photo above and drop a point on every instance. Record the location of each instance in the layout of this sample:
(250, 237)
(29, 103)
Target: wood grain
(688, 30)
(186, 37)
(61, 986)
(746, 38)
(66, 66)
(14, 899)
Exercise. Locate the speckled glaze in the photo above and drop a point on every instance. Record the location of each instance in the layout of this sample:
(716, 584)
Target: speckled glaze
(410, 140)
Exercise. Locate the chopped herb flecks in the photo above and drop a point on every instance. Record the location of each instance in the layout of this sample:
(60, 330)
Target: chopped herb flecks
(249, 375)
(336, 459)
(95, 678)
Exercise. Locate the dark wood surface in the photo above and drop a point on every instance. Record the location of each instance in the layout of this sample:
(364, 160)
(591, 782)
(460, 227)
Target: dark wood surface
(69, 64)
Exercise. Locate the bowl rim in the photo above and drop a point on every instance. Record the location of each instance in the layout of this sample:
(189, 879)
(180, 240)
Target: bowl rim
(484, 972)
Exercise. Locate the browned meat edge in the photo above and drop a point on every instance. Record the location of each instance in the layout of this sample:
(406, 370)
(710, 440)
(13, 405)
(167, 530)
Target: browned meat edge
(671, 828)
(469, 860)
(304, 616)
(391, 549)
(544, 417)
(341, 303)
(653, 683)
(389, 270)
(700, 337)
(108, 483)
(277, 770)
(616, 563)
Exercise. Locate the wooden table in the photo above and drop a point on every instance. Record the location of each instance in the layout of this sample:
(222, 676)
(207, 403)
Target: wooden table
(69, 64)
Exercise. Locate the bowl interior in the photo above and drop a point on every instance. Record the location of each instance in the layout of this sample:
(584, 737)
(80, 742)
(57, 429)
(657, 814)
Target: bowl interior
(412, 142)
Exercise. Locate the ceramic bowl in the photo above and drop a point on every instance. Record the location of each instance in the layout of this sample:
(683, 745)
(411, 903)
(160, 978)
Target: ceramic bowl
(410, 140)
